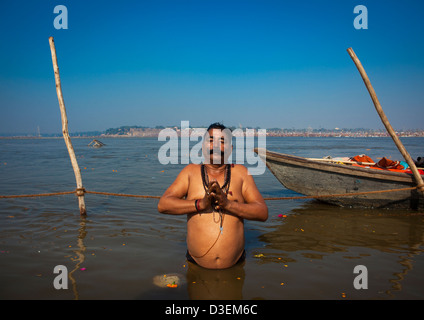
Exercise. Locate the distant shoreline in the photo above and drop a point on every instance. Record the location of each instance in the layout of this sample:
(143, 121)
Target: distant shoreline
(269, 135)
(149, 132)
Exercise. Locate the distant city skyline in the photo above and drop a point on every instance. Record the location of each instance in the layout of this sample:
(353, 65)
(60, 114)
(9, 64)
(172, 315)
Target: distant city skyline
(268, 64)
(142, 131)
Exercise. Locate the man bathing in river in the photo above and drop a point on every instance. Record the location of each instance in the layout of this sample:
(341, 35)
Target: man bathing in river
(216, 197)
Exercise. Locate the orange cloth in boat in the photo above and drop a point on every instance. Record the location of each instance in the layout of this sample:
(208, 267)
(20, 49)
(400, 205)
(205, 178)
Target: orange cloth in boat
(362, 158)
(385, 163)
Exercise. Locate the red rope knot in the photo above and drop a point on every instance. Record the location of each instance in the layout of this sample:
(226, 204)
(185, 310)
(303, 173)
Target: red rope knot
(80, 191)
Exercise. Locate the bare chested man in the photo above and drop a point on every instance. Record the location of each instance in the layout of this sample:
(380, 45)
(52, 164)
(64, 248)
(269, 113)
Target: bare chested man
(216, 197)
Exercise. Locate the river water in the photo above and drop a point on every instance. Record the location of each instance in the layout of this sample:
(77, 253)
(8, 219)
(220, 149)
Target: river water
(305, 250)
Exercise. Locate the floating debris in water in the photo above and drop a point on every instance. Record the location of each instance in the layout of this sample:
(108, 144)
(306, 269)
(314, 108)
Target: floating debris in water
(172, 285)
(96, 144)
(172, 280)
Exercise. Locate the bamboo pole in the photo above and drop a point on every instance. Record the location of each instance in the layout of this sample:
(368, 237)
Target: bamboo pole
(385, 120)
(66, 137)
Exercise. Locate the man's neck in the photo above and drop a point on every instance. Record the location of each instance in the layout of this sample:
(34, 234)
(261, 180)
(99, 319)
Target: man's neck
(215, 168)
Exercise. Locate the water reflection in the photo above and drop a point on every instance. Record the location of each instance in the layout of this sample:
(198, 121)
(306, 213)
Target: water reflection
(80, 255)
(209, 284)
(327, 229)
(316, 230)
(407, 263)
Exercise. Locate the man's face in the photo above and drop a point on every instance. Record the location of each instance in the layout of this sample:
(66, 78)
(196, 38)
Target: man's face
(217, 146)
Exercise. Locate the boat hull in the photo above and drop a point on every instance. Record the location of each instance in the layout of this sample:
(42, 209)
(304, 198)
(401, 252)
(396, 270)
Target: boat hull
(316, 178)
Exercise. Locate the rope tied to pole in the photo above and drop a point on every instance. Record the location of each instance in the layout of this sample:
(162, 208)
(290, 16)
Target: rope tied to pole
(123, 195)
(341, 194)
(82, 191)
(37, 195)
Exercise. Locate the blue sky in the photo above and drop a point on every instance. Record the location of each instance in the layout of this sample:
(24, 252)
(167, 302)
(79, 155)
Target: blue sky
(255, 63)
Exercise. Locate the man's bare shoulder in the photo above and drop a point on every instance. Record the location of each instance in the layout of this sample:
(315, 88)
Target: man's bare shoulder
(190, 169)
(240, 170)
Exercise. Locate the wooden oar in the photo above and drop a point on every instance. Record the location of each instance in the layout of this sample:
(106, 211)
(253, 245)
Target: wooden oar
(389, 128)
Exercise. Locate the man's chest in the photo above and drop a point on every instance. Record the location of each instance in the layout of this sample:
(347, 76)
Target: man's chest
(197, 189)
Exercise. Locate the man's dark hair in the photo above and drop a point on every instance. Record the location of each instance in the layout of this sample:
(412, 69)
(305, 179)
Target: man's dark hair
(220, 126)
(217, 125)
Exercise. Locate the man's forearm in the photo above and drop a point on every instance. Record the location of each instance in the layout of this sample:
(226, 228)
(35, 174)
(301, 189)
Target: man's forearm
(250, 211)
(173, 205)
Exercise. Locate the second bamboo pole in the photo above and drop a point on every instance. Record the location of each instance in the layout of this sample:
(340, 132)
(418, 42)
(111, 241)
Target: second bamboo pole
(389, 128)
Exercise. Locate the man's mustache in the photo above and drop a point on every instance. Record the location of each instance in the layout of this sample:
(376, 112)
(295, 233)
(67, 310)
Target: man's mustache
(222, 152)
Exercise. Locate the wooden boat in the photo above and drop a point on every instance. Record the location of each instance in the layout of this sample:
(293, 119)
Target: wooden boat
(312, 177)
